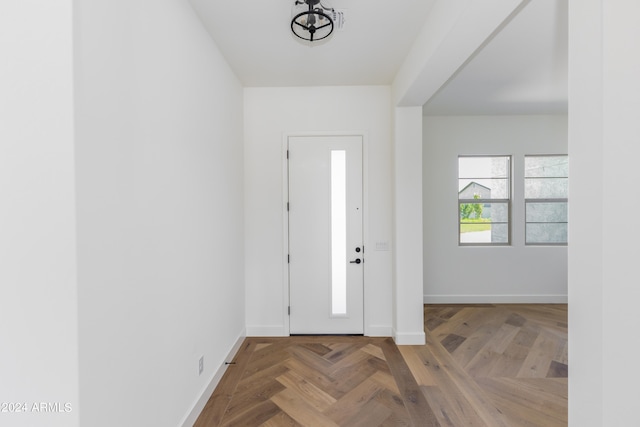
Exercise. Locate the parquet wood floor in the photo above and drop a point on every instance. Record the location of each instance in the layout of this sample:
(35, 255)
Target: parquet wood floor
(483, 365)
(494, 365)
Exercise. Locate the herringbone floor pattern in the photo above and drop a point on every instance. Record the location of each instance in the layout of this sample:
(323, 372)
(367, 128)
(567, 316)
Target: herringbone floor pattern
(483, 365)
(316, 381)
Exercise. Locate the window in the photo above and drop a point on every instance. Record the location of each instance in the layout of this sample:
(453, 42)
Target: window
(338, 232)
(546, 188)
(484, 200)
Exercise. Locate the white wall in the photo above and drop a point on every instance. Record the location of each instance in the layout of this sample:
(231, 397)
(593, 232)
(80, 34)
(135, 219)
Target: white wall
(408, 309)
(516, 273)
(586, 233)
(604, 64)
(269, 114)
(38, 288)
(160, 211)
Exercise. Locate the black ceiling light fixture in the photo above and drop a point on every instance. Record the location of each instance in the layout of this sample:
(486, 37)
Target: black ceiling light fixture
(312, 21)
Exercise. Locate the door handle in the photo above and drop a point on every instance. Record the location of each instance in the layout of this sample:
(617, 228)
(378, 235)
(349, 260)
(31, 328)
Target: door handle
(357, 261)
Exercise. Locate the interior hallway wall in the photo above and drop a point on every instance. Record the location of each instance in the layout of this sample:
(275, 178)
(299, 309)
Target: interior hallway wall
(38, 287)
(481, 274)
(604, 64)
(160, 210)
(270, 113)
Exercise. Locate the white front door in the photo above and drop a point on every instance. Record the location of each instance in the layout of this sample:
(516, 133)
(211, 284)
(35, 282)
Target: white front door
(326, 254)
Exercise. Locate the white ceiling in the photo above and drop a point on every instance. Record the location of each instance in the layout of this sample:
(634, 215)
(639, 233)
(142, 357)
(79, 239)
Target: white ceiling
(256, 39)
(523, 69)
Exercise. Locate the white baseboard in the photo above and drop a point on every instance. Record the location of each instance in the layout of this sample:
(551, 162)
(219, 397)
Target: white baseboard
(409, 338)
(267, 331)
(279, 331)
(379, 331)
(495, 299)
(191, 418)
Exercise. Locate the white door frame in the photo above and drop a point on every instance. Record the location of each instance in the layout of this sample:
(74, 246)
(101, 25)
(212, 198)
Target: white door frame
(285, 218)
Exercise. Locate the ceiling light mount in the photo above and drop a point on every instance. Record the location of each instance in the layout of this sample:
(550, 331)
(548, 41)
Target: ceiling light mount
(312, 21)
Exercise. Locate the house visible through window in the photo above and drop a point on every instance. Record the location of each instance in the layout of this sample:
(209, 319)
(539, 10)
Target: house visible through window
(546, 189)
(484, 200)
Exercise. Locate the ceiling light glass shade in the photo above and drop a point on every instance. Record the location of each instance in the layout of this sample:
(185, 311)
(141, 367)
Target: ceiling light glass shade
(311, 21)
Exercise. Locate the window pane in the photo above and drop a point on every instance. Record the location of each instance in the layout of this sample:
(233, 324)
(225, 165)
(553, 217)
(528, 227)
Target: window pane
(500, 233)
(484, 233)
(546, 177)
(485, 212)
(498, 212)
(485, 188)
(483, 167)
(537, 166)
(546, 188)
(547, 233)
(475, 233)
(547, 212)
(338, 232)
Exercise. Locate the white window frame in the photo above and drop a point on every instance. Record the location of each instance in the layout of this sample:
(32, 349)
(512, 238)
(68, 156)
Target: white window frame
(552, 200)
(506, 201)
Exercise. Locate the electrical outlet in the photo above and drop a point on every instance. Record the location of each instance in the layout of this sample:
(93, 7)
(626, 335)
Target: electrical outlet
(200, 365)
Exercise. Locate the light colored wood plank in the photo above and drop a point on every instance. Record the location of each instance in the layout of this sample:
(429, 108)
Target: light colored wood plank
(298, 409)
(322, 381)
(352, 403)
(536, 365)
(311, 359)
(281, 420)
(562, 354)
(341, 350)
(419, 410)
(448, 415)
(503, 338)
(527, 401)
(374, 350)
(352, 359)
(308, 391)
(255, 415)
(463, 384)
(372, 414)
(482, 363)
(483, 330)
(508, 364)
(416, 366)
(386, 381)
(392, 401)
(242, 403)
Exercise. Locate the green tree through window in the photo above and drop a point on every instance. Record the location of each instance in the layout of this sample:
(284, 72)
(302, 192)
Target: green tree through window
(468, 209)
